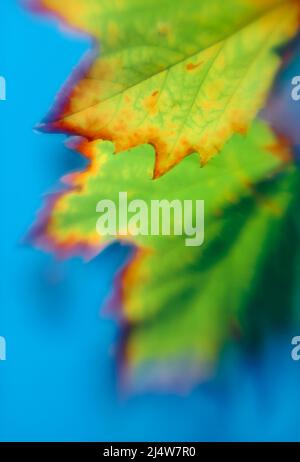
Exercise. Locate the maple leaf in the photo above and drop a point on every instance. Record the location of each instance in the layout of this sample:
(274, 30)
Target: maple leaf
(182, 77)
(181, 303)
(192, 303)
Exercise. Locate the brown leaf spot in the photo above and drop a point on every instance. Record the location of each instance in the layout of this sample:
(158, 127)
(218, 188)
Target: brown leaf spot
(191, 66)
(163, 29)
(150, 103)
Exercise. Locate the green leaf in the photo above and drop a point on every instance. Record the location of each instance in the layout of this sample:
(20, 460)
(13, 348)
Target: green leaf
(182, 303)
(183, 78)
(192, 303)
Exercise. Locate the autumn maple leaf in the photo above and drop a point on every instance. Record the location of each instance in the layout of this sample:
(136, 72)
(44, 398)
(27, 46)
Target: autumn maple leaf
(182, 77)
(186, 80)
(182, 304)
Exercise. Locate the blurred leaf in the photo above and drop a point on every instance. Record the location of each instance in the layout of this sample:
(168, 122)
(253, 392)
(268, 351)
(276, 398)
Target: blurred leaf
(191, 302)
(181, 303)
(183, 77)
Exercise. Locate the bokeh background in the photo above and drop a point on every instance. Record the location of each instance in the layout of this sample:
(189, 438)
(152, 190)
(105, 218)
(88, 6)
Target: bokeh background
(60, 380)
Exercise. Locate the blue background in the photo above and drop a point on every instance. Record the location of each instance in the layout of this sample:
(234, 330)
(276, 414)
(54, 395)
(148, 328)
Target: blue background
(60, 379)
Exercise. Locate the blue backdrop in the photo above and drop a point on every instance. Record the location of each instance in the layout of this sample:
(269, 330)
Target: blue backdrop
(60, 380)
